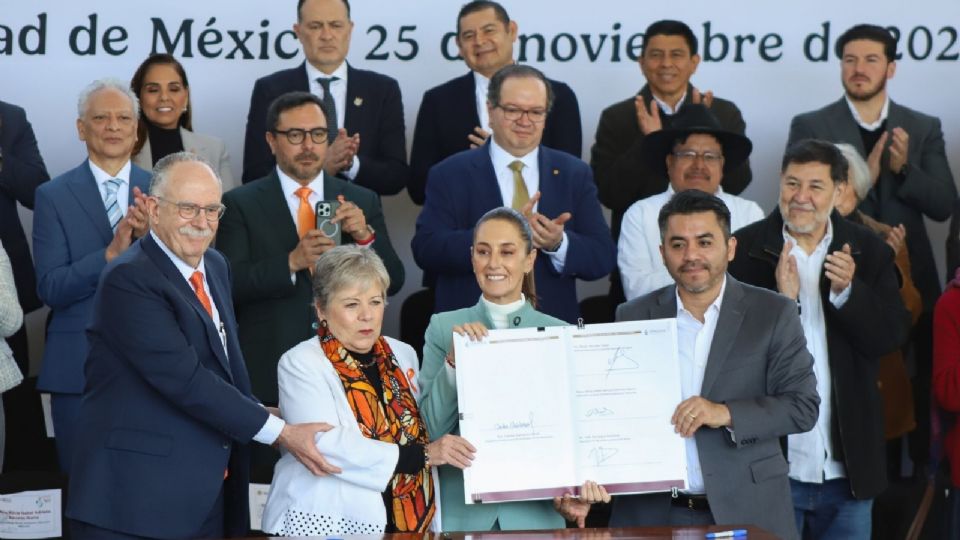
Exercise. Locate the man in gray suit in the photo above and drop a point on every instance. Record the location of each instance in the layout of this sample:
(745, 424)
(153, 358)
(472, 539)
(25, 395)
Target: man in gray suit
(746, 378)
(903, 147)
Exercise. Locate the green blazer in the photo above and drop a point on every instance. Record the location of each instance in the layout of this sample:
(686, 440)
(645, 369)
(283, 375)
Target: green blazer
(438, 406)
(274, 312)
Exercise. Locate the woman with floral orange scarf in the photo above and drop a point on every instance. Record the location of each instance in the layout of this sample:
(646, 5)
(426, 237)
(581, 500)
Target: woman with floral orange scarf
(364, 385)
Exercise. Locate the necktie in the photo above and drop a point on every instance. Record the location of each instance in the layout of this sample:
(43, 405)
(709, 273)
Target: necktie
(330, 106)
(110, 202)
(520, 193)
(196, 279)
(306, 218)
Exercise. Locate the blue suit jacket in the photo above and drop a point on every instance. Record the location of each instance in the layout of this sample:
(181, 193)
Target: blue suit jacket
(464, 187)
(374, 110)
(70, 235)
(165, 410)
(21, 173)
(448, 114)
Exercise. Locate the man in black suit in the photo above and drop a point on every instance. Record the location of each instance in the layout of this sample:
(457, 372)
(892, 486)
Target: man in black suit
(21, 172)
(453, 116)
(367, 139)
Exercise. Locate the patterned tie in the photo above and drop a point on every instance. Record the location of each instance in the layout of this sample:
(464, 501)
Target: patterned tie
(306, 218)
(520, 193)
(196, 279)
(330, 106)
(110, 202)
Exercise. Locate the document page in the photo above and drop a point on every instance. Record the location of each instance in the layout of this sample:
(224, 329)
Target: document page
(513, 394)
(626, 387)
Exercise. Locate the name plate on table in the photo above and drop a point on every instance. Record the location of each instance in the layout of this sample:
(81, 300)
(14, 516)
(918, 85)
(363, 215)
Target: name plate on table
(549, 408)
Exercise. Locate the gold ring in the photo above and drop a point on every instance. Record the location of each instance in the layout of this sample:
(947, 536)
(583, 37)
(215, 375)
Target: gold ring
(691, 415)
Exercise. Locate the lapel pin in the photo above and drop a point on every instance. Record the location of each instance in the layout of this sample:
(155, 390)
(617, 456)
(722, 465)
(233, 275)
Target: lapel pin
(358, 101)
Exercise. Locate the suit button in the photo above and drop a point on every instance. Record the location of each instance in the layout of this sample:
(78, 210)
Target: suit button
(226, 446)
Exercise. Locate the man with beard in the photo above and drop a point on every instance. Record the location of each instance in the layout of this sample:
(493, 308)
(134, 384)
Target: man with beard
(911, 175)
(841, 276)
(746, 379)
(269, 235)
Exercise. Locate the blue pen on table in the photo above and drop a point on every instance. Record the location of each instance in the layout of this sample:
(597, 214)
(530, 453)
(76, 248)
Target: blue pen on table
(727, 534)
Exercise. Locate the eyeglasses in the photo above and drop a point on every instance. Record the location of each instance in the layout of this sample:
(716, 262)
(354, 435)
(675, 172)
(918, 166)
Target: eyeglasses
(689, 156)
(212, 213)
(296, 135)
(514, 113)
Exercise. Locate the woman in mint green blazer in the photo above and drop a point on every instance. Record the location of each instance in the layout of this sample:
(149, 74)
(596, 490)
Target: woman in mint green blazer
(502, 255)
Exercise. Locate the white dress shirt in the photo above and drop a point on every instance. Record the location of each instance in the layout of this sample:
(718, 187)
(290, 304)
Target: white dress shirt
(638, 249)
(338, 89)
(289, 186)
(694, 339)
(811, 453)
(271, 429)
(873, 125)
(531, 178)
(481, 84)
(123, 192)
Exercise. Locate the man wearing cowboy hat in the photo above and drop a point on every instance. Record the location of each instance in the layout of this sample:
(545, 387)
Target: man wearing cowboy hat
(694, 153)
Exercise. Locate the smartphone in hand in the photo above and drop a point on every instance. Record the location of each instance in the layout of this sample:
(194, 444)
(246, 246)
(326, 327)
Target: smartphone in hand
(326, 211)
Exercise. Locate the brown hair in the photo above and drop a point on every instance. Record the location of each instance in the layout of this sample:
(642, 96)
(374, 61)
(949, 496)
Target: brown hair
(136, 84)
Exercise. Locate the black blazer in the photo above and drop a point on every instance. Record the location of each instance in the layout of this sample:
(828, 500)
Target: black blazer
(872, 323)
(257, 234)
(22, 171)
(619, 169)
(374, 110)
(448, 115)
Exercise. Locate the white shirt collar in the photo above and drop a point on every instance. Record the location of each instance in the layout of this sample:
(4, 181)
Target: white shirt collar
(824, 242)
(670, 192)
(341, 73)
(714, 306)
(872, 126)
(101, 176)
(502, 159)
(666, 108)
(185, 269)
(290, 186)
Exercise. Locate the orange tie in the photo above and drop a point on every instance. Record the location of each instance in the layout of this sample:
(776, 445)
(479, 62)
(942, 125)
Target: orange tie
(197, 281)
(306, 218)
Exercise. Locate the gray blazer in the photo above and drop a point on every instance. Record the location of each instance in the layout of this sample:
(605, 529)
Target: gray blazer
(209, 148)
(926, 188)
(760, 368)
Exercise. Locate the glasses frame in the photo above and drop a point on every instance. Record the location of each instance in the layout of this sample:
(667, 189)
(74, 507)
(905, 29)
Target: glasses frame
(514, 114)
(690, 156)
(189, 211)
(298, 135)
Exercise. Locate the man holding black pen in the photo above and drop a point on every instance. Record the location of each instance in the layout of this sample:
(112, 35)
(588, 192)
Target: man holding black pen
(269, 235)
(746, 378)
